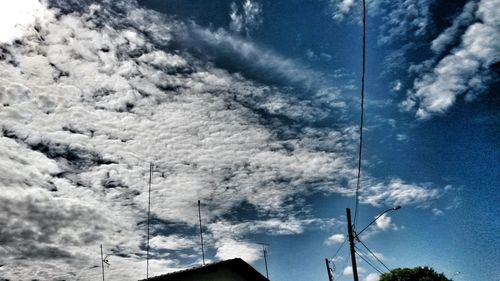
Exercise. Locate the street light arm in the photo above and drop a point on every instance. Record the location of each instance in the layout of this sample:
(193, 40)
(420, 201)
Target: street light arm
(376, 218)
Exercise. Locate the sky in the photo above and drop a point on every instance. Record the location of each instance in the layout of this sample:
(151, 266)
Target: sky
(253, 108)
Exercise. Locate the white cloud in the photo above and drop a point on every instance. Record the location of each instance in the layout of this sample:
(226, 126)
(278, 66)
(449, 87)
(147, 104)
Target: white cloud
(236, 18)
(348, 270)
(172, 242)
(402, 137)
(383, 222)
(403, 18)
(446, 38)
(228, 249)
(399, 18)
(372, 277)
(437, 212)
(18, 17)
(397, 192)
(341, 8)
(248, 20)
(464, 71)
(263, 59)
(335, 239)
(397, 85)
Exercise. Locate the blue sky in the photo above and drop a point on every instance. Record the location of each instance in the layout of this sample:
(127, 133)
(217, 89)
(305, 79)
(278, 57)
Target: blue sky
(252, 107)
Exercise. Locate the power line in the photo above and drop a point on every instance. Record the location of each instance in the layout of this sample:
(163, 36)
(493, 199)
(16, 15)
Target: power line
(340, 247)
(372, 266)
(339, 271)
(362, 114)
(374, 255)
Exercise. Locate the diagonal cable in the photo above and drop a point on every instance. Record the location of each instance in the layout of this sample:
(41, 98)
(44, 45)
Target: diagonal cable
(369, 263)
(375, 256)
(338, 250)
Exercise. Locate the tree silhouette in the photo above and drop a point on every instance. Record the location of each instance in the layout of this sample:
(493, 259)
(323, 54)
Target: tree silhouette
(413, 274)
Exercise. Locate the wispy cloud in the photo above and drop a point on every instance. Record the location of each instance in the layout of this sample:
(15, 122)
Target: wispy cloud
(399, 17)
(19, 18)
(335, 239)
(258, 59)
(249, 19)
(396, 192)
(465, 71)
(402, 18)
(372, 277)
(341, 8)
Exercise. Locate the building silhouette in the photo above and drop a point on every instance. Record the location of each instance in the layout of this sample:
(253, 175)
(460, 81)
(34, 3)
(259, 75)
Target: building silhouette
(228, 270)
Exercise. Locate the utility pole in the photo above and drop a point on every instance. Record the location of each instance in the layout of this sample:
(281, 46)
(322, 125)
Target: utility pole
(351, 244)
(330, 277)
(102, 264)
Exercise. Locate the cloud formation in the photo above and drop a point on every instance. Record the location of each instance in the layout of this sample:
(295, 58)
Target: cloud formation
(372, 277)
(335, 239)
(466, 69)
(249, 19)
(18, 18)
(341, 8)
(95, 92)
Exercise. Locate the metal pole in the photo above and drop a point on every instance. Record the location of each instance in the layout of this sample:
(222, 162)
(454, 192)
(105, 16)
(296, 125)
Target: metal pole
(351, 242)
(376, 218)
(149, 211)
(265, 260)
(201, 233)
(102, 264)
(330, 277)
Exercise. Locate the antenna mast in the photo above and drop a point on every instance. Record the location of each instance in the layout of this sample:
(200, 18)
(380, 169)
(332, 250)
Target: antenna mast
(149, 211)
(264, 251)
(201, 233)
(102, 264)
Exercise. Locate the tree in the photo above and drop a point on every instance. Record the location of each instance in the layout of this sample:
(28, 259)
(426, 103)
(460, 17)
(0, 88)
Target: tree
(413, 274)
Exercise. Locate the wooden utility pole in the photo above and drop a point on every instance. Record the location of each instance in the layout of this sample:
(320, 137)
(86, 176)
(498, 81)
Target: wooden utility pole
(351, 244)
(328, 270)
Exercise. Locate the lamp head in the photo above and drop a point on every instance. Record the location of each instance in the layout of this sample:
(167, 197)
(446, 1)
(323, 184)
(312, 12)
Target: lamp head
(396, 208)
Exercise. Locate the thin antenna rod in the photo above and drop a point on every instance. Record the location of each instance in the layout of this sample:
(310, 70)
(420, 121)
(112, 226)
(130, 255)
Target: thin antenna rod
(102, 264)
(201, 233)
(149, 212)
(265, 260)
(264, 252)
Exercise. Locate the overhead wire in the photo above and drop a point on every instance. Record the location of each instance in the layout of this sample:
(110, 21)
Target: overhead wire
(339, 274)
(375, 256)
(340, 247)
(369, 263)
(358, 182)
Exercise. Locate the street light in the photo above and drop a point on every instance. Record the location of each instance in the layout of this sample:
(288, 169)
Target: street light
(376, 218)
(353, 235)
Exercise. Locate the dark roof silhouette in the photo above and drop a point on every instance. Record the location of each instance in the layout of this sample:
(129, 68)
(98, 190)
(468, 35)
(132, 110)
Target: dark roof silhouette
(233, 269)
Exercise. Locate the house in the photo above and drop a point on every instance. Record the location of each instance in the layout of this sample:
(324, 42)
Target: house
(228, 270)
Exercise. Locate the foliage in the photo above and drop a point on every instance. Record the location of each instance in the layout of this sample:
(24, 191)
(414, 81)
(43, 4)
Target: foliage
(413, 274)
